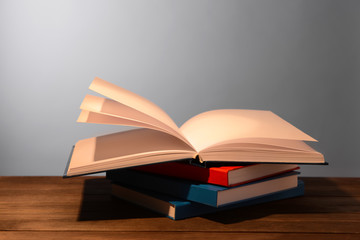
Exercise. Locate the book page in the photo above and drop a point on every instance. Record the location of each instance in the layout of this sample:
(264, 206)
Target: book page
(125, 149)
(117, 113)
(131, 100)
(217, 126)
(93, 117)
(261, 143)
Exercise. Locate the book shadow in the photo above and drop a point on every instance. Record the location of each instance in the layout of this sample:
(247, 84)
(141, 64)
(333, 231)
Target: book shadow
(98, 204)
(322, 195)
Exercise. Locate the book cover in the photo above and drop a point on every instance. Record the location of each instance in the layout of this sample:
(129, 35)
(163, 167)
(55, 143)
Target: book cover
(208, 194)
(176, 209)
(224, 176)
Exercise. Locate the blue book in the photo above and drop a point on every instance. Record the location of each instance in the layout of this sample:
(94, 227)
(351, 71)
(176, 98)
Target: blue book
(208, 194)
(176, 209)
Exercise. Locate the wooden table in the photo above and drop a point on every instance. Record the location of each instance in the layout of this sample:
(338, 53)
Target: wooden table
(82, 208)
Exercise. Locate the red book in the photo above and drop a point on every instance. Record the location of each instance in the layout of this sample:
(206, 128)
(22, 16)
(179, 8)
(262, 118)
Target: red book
(228, 176)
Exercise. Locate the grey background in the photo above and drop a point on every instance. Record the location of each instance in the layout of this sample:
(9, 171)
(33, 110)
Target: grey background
(299, 59)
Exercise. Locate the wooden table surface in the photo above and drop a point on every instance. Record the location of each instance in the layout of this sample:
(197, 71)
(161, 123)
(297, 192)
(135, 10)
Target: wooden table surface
(82, 208)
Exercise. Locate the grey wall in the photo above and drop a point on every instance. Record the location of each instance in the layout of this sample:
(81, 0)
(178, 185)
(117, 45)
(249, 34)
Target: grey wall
(299, 59)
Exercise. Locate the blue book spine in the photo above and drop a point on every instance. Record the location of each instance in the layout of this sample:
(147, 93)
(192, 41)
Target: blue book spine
(197, 192)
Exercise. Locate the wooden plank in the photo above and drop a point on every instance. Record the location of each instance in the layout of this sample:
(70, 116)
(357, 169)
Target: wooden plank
(332, 186)
(127, 217)
(106, 206)
(31, 235)
(163, 225)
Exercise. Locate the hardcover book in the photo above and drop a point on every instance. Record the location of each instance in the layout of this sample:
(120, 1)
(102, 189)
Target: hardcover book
(176, 208)
(224, 176)
(208, 194)
(225, 135)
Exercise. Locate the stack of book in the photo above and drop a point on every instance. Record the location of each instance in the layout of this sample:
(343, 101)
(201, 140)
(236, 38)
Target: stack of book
(180, 190)
(238, 157)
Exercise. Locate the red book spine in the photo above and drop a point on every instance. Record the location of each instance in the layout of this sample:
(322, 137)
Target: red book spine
(186, 171)
(218, 176)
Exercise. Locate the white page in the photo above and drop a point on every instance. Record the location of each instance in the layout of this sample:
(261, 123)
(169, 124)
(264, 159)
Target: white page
(217, 126)
(93, 117)
(261, 143)
(127, 144)
(125, 115)
(132, 100)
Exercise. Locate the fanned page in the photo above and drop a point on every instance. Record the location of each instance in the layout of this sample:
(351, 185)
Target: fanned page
(93, 117)
(131, 99)
(125, 108)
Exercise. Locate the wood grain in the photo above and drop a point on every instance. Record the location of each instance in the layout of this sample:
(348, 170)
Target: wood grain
(82, 208)
(31, 235)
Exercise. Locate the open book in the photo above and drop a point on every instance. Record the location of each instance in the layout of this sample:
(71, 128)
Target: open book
(227, 135)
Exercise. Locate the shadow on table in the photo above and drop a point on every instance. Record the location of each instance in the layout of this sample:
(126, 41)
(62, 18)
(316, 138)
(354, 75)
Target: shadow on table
(322, 195)
(98, 204)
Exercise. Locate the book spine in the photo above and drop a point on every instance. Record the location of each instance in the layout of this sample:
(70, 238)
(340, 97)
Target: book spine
(186, 171)
(219, 177)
